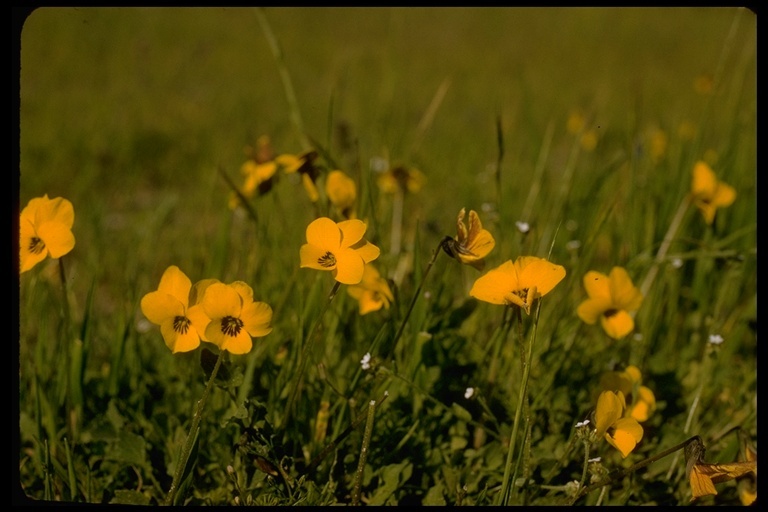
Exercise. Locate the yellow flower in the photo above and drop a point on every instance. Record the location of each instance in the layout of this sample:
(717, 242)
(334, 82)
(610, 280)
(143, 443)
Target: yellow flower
(470, 246)
(401, 178)
(339, 248)
(342, 193)
(611, 298)
(45, 228)
(168, 307)
(234, 316)
(373, 292)
(641, 400)
(518, 283)
(623, 433)
(304, 164)
(258, 171)
(708, 193)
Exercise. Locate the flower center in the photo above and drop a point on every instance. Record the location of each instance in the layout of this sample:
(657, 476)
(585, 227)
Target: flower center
(231, 326)
(36, 246)
(181, 324)
(610, 312)
(327, 260)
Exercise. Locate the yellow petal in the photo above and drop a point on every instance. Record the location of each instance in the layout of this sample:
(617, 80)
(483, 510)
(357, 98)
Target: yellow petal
(199, 319)
(325, 234)
(626, 436)
(618, 324)
(724, 195)
(591, 310)
(256, 317)
(244, 290)
(58, 210)
(349, 267)
(610, 407)
(644, 404)
(623, 292)
(598, 286)
(494, 286)
(340, 189)
(352, 231)
(174, 282)
(314, 257)
(239, 344)
(178, 341)
(57, 237)
(221, 300)
(539, 273)
(159, 307)
(368, 252)
(704, 180)
(310, 187)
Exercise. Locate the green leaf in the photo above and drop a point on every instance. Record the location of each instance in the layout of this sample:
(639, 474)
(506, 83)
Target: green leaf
(129, 448)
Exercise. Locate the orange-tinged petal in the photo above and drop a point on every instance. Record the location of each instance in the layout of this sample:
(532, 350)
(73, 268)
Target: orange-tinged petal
(617, 325)
(178, 341)
(623, 292)
(256, 317)
(198, 290)
(724, 195)
(57, 209)
(644, 404)
(58, 238)
(315, 257)
(175, 283)
(539, 273)
(610, 407)
(627, 434)
(598, 286)
(496, 285)
(349, 267)
(199, 319)
(239, 344)
(159, 306)
(221, 300)
(245, 291)
(368, 252)
(31, 250)
(704, 180)
(352, 231)
(325, 234)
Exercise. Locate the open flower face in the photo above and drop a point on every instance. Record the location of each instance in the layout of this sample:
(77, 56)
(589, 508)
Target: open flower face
(518, 283)
(373, 292)
(708, 193)
(472, 244)
(234, 316)
(623, 433)
(339, 248)
(168, 307)
(342, 192)
(45, 228)
(611, 299)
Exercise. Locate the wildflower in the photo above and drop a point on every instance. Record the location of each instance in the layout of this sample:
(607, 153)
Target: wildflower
(518, 283)
(169, 308)
(372, 292)
(342, 193)
(339, 248)
(621, 432)
(715, 339)
(304, 164)
(703, 476)
(470, 245)
(401, 178)
(258, 171)
(708, 193)
(611, 298)
(45, 228)
(522, 227)
(234, 316)
(469, 393)
(582, 423)
(640, 399)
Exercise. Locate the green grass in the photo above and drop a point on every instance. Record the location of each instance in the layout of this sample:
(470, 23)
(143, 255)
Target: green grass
(130, 113)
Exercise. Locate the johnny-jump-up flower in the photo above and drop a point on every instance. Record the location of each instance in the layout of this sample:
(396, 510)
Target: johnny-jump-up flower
(518, 283)
(45, 228)
(611, 299)
(641, 402)
(341, 192)
(471, 245)
(234, 316)
(339, 248)
(708, 192)
(304, 164)
(258, 171)
(621, 432)
(169, 308)
(373, 292)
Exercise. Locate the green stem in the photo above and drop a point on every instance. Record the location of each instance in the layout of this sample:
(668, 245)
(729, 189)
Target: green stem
(363, 453)
(305, 356)
(415, 297)
(191, 435)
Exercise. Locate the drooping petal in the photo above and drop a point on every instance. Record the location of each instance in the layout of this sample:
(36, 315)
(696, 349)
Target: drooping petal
(626, 435)
(618, 324)
(159, 306)
(221, 300)
(352, 231)
(312, 256)
(539, 273)
(256, 317)
(494, 286)
(610, 407)
(174, 282)
(349, 267)
(325, 234)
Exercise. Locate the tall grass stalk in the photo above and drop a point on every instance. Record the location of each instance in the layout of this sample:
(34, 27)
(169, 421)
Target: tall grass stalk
(358, 482)
(192, 435)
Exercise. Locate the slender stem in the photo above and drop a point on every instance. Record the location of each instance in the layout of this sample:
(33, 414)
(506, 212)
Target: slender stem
(363, 453)
(416, 297)
(192, 435)
(305, 356)
(586, 464)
